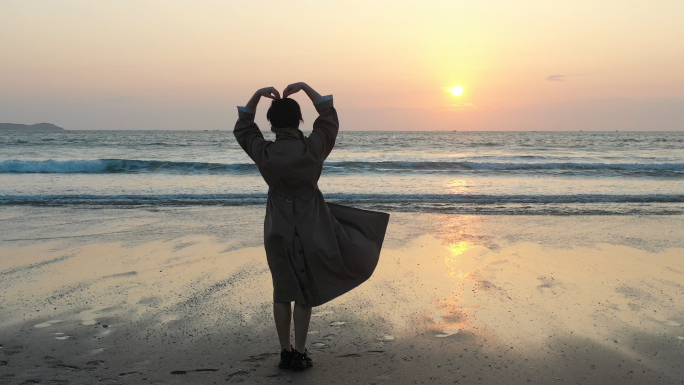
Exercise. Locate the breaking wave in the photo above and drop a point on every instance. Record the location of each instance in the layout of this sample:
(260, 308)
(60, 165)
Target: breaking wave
(104, 166)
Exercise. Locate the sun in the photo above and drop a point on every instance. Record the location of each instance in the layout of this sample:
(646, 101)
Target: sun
(457, 90)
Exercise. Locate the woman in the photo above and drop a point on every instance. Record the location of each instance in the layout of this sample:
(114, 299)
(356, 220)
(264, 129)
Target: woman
(315, 251)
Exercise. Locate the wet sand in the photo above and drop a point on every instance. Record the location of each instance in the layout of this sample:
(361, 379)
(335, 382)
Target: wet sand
(178, 296)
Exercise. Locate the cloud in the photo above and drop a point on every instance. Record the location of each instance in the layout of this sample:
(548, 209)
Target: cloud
(559, 78)
(556, 78)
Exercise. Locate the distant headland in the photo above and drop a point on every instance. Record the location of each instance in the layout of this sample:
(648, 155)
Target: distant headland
(29, 127)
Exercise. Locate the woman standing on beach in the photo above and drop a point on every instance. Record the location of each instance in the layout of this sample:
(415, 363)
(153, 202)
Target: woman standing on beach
(316, 251)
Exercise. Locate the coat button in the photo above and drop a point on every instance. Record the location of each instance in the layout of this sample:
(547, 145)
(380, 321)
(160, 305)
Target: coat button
(289, 199)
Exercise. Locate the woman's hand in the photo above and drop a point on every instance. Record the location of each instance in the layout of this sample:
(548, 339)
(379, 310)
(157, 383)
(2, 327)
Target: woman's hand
(296, 87)
(267, 92)
(293, 88)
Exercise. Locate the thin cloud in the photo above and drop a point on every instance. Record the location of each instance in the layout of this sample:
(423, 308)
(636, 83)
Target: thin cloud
(556, 78)
(559, 78)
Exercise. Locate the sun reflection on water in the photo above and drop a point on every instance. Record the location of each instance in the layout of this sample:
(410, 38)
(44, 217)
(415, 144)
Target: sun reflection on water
(452, 316)
(460, 239)
(458, 186)
(452, 261)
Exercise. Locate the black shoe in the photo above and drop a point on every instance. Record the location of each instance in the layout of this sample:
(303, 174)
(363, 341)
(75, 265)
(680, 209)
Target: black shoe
(301, 361)
(285, 359)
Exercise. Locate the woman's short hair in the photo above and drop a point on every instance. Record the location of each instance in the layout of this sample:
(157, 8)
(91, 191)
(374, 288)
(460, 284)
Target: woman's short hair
(284, 113)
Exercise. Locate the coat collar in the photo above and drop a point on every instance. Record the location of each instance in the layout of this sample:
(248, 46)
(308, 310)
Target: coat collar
(287, 133)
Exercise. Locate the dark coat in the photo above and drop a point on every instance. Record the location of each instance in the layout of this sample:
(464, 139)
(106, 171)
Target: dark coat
(316, 251)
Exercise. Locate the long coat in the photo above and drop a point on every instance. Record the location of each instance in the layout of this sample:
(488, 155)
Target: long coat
(316, 251)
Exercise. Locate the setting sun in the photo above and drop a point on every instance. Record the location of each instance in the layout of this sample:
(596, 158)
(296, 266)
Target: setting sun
(457, 90)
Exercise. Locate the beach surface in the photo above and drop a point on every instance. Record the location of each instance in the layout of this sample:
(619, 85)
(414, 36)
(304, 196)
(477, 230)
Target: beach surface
(180, 295)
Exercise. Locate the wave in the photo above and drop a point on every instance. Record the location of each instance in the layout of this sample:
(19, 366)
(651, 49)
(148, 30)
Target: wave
(105, 166)
(583, 204)
(490, 166)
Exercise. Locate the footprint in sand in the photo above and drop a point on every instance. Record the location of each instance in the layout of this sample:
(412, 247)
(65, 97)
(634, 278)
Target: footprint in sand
(258, 357)
(10, 351)
(46, 324)
(202, 371)
(237, 376)
(446, 333)
(129, 374)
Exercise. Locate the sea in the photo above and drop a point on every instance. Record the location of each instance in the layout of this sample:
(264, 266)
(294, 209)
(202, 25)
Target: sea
(481, 173)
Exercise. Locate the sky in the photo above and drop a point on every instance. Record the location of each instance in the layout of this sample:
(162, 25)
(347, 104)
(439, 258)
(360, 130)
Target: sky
(186, 65)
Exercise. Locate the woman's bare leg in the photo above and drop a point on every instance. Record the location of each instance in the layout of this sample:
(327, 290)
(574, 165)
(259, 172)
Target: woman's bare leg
(282, 314)
(302, 316)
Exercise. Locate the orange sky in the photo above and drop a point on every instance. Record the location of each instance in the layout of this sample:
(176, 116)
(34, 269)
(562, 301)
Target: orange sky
(537, 65)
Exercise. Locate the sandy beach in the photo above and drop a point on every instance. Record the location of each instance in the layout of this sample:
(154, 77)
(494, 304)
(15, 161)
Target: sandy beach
(183, 296)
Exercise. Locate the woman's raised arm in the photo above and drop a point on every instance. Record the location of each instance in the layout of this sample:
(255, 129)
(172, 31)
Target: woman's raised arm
(325, 128)
(267, 92)
(296, 87)
(246, 131)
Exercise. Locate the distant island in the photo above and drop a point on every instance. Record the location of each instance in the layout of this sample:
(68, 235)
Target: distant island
(29, 127)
